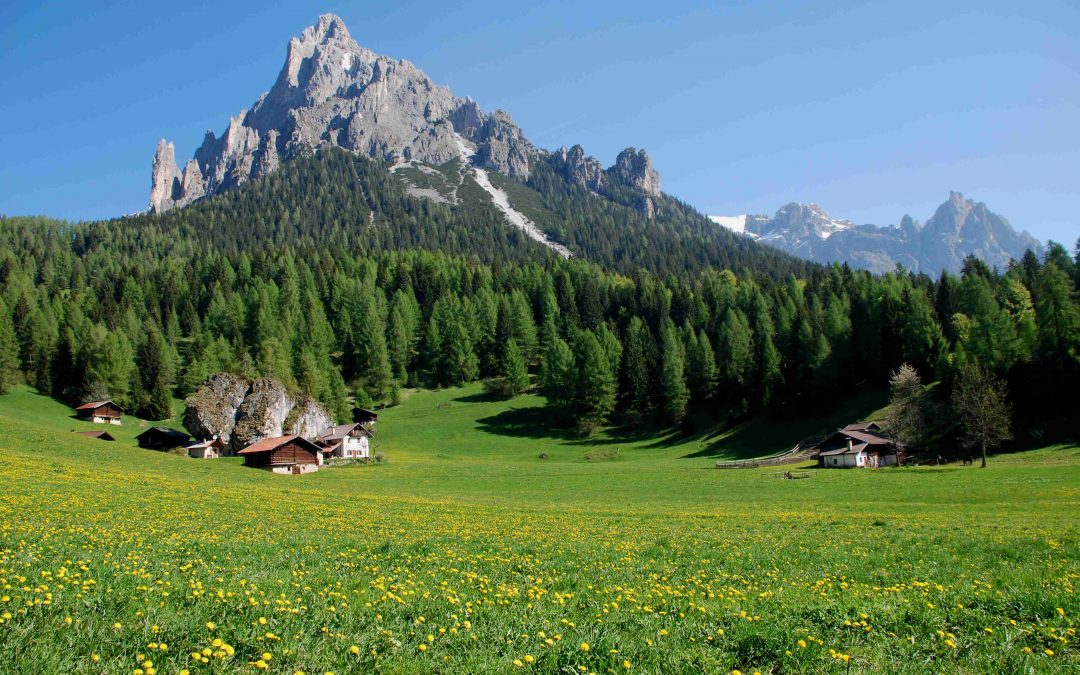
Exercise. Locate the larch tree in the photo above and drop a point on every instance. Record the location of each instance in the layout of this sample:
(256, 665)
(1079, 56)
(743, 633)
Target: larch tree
(981, 405)
(906, 420)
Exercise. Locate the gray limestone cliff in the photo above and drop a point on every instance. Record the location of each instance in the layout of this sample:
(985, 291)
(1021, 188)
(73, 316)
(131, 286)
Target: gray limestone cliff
(241, 412)
(333, 92)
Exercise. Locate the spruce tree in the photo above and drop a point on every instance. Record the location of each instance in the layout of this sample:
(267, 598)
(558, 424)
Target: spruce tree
(636, 368)
(9, 351)
(673, 387)
(513, 374)
(594, 395)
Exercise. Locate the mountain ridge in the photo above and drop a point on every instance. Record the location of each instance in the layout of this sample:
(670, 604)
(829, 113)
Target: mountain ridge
(331, 91)
(959, 227)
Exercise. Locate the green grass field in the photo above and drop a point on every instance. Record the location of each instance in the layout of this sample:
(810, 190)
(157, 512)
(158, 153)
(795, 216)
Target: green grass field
(488, 543)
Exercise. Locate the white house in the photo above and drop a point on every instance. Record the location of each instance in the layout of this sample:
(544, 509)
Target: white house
(857, 446)
(346, 441)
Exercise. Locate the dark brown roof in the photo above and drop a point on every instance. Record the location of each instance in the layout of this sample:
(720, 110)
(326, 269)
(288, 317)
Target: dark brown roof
(103, 435)
(269, 444)
(867, 437)
(167, 432)
(862, 426)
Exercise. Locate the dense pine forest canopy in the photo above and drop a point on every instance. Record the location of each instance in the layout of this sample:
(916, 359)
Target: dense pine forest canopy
(328, 276)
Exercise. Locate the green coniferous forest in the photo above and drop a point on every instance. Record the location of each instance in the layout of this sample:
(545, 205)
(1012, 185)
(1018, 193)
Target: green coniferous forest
(329, 277)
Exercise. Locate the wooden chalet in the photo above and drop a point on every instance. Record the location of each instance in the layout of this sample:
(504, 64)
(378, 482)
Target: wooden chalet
(100, 412)
(365, 417)
(162, 438)
(857, 445)
(284, 454)
(211, 448)
(345, 441)
(100, 435)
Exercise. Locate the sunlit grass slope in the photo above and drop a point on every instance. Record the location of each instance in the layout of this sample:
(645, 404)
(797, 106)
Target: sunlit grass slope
(469, 552)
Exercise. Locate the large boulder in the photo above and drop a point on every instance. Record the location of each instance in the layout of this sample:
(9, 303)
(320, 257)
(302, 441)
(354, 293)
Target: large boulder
(241, 412)
(211, 410)
(262, 414)
(308, 419)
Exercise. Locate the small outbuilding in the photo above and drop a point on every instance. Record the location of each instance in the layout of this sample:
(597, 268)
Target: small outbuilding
(284, 454)
(100, 435)
(211, 448)
(162, 438)
(858, 446)
(100, 412)
(365, 417)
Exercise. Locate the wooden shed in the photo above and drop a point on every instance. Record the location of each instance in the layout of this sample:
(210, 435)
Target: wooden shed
(162, 438)
(284, 454)
(100, 412)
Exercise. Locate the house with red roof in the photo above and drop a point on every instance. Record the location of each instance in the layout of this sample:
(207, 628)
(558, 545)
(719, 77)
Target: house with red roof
(100, 412)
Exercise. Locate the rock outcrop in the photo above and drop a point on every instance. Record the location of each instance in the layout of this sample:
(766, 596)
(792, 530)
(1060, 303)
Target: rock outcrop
(634, 168)
(262, 413)
(241, 412)
(211, 410)
(333, 92)
(309, 419)
(580, 169)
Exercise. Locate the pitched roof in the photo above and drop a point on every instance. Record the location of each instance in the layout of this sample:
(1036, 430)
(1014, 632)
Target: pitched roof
(853, 450)
(866, 437)
(93, 405)
(103, 435)
(339, 432)
(165, 431)
(214, 442)
(268, 444)
(862, 426)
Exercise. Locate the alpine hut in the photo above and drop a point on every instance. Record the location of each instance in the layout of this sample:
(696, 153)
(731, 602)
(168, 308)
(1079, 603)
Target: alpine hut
(162, 438)
(858, 445)
(100, 412)
(283, 454)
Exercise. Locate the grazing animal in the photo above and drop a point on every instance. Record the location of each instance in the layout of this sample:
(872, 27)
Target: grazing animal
(968, 461)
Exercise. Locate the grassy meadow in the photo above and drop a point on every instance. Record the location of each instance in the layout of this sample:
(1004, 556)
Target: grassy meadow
(489, 543)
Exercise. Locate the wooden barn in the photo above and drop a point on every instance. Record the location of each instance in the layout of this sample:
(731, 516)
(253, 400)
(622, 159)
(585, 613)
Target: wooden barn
(345, 441)
(100, 435)
(284, 454)
(365, 417)
(858, 446)
(100, 412)
(162, 438)
(211, 448)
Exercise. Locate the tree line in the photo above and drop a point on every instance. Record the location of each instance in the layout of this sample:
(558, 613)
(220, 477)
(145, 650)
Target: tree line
(151, 313)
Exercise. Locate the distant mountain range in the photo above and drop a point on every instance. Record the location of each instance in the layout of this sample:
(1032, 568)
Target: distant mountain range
(959, 227)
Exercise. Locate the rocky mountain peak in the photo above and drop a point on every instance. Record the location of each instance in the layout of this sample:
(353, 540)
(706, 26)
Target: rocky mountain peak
(333, 92)
(958, 228)
(635, 168)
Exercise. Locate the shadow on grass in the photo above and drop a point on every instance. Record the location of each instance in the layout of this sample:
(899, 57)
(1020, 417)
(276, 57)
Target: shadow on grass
(702, 435)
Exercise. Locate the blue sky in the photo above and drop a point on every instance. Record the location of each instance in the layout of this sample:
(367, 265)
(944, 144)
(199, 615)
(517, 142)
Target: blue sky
(871, 109)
